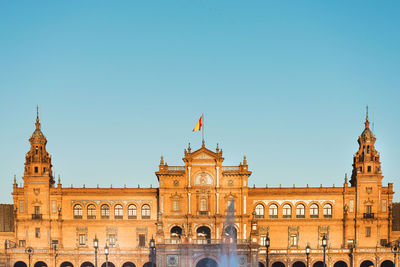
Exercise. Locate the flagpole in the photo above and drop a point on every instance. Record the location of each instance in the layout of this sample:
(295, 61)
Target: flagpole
(202, 115)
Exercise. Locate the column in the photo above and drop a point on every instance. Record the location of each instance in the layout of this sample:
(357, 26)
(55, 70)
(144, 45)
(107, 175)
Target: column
(162, 204)
(189, 168)
(244, 231)
(217, 195)
(189, 194)
(217, 176)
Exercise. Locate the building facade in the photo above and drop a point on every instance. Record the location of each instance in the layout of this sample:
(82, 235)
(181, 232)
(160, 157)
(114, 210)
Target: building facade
(203, 213)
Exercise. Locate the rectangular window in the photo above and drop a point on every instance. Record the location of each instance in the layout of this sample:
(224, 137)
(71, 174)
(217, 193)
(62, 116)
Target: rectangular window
(368, 231)
(21, 243)
(293, 240)
(37, 232)
(37, 210)
(36, 169)
(369, 168)
(82, 239)
(384, 204)
(262, 240)
(21, 206)
(175, 205)
(111, 239)
(142, 240)
(368, 209)
(54, 206)
(54, 244)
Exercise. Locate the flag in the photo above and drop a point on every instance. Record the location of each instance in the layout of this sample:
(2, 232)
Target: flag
(199, 124)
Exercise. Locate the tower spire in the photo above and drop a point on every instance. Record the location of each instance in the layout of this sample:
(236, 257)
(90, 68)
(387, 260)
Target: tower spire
(37, 118)
(366, 120)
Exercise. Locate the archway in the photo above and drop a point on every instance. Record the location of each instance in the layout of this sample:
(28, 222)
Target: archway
(128, 264)
(66, 264)
(207, 262)
(278, 264)
(260, 264)
(40, 264)
(299, 264)
(87, 264)
(367, 264)
(318, 264)
(20, 264)
(148, 264)
(176, 233)
(387, 263)
(340, 264)
(109, 264)
(203, 234)
(230, 231)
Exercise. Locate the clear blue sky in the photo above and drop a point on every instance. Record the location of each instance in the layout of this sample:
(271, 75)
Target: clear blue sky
(121, 83)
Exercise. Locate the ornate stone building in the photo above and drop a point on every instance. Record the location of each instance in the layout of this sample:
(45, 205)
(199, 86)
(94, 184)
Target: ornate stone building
(202, 214)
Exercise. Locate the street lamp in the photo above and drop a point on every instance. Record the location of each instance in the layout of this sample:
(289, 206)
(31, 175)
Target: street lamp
(106, 251)
(96, 246)
(29, 250)
(152, 250)
(324, 246)
(54, 247)
(267, 244)
(395, 250)
(307, 252)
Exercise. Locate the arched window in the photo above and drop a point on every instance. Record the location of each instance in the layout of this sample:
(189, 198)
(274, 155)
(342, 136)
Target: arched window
(91, 211)
(287, 211)
(260, 211)
(145, 211)
(77, 211)
(105, 211)
(132, 211)
(300, 211)
(314, 211)
(273, 211)
(327, 211)
(203, 206)
(118, 212)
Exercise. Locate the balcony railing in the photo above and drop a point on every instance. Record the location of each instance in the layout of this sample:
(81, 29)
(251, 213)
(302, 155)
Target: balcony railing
(203, 212)
(118, 217)
(230, 168)
(132, 217)
(369, 215)
(36, 216)
(259, 216)
(145, 217)
(77, 216)
(273, 216)
(176, 168)
(327, 216)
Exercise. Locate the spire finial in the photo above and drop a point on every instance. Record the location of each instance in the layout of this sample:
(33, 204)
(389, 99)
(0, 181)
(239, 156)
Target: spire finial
(217, 147)
(37, 117)
(244, 160)
(15, 179)
(189, 149)
(162, 160)
(203, 144)
(366, 119)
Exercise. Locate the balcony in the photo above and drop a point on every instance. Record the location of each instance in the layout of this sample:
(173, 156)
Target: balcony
(91, 217)
(36, 216)
(145, 217)
(203, 212)
(259, 216)
(369, 215)
(273, 216)
(118, 217)
(327, 216)
(132, 217)
(78, 217)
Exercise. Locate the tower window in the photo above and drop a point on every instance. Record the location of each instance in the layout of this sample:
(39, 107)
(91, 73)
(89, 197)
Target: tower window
(37, 232)
(368, 231)
(36, 169)
(369, 168)
(36, 150)
(367, 149)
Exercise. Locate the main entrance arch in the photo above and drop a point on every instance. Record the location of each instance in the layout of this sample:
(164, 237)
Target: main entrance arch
(207, 262)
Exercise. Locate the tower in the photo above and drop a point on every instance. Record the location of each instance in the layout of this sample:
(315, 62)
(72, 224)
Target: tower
(366, 161)
(38, 161)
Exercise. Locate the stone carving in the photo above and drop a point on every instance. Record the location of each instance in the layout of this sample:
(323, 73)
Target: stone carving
(203, 179)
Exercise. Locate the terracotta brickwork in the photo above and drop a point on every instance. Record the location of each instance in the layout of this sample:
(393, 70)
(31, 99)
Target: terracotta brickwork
(198, 211)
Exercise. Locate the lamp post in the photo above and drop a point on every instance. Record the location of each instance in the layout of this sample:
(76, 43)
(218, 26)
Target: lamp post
(307, 253)
(324, 246)
(106, 251)
(351, 255)
(54, 247)
(267, 244)
(29, 251)
(152, 250)
(96, 246)
(395, 250)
